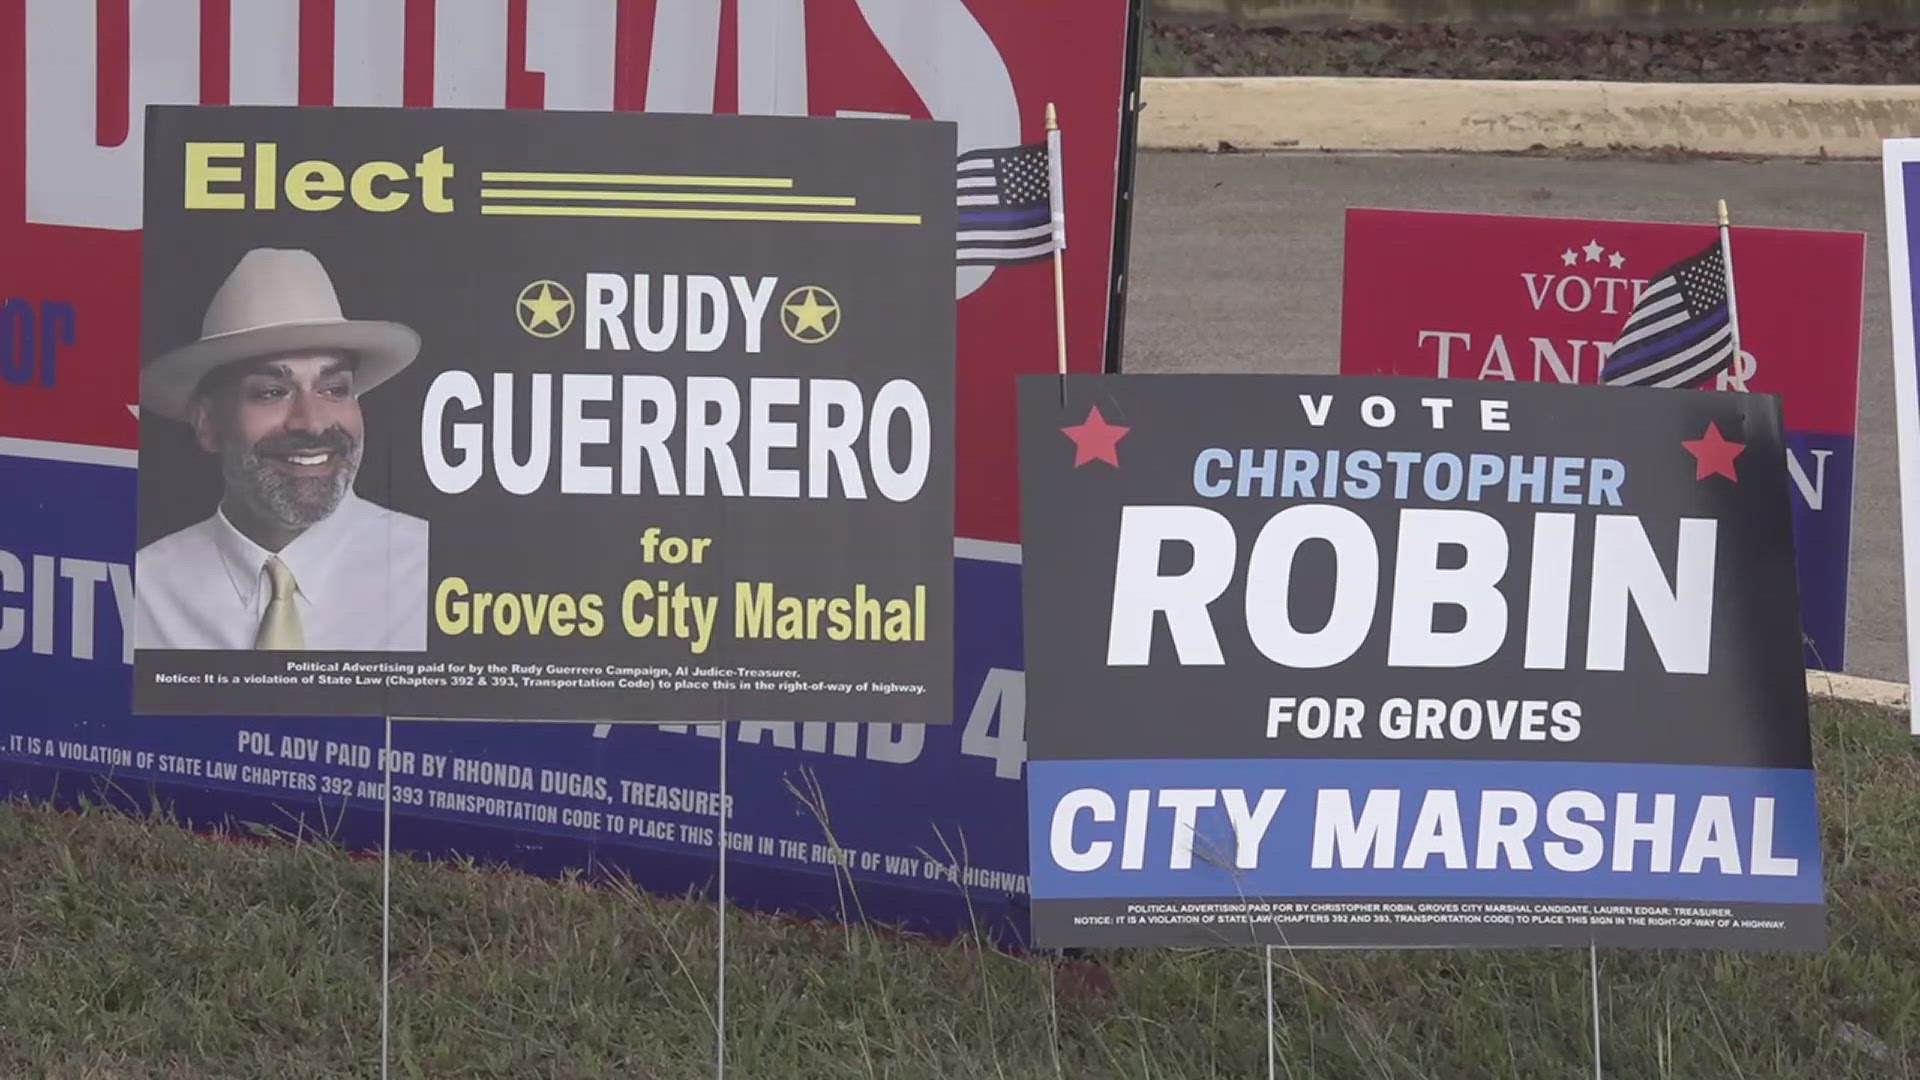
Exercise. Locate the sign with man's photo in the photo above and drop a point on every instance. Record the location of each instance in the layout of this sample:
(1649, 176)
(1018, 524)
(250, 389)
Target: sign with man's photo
(1377, 662)
(546, 416)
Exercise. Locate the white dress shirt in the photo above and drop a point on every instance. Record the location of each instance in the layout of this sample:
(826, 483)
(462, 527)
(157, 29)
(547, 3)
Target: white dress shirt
(361, 577)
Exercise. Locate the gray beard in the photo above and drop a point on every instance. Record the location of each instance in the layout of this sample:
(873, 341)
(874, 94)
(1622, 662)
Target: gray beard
(289, 501)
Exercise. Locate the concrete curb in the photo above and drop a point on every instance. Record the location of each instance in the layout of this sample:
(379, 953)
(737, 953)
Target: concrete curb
(1891, 695)
(1316, 113)
(1656, 14)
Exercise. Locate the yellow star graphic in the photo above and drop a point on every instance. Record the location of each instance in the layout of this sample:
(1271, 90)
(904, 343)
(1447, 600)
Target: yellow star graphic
(545, 309)
(807, 319)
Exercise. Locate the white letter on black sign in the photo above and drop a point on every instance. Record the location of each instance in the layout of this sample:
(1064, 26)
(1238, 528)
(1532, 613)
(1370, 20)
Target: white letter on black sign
(904, 397)
(606, 302)
(643, 439)
(712, 437)
(1420, 586)
(753, 306)
(522, 477)
(706, 313)
(765, 434)
(578, 430)
(831, 442)
(1679, 618)
(1356, 579)
(1140, 591)
(450, 477)
(1547, 592)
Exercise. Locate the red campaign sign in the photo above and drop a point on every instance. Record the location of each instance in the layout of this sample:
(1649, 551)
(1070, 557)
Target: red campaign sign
(76, 76)
(1481, 296)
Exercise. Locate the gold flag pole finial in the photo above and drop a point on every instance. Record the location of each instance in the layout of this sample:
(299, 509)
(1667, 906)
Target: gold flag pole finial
(1053, 121)
(1723, 211)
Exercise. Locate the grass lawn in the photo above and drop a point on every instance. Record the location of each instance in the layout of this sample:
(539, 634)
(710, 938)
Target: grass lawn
(131, 948)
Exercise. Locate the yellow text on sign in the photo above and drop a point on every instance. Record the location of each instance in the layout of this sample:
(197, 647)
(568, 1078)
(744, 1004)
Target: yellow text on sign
(242, 176)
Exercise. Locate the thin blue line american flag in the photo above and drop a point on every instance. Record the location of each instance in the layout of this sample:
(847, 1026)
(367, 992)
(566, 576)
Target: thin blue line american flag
(1006, 210)
(1681, 331)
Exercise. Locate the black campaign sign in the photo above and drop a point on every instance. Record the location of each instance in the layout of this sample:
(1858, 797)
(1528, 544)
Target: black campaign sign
(1350, 661)
(459, 413)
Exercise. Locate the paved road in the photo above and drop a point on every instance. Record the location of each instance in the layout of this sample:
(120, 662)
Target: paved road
(1236, 267)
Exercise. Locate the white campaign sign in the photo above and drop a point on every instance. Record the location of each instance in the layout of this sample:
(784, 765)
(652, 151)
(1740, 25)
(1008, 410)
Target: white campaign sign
(1899, 156)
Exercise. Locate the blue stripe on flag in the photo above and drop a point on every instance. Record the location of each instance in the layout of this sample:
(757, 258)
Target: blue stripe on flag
(1666, 344)
(970, 218)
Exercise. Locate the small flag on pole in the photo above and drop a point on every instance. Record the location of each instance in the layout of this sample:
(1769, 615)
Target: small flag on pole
(1006, 205)
(1681, 332)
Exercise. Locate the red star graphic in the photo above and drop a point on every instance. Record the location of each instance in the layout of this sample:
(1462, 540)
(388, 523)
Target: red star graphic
(1095, 440)
(1712, 454)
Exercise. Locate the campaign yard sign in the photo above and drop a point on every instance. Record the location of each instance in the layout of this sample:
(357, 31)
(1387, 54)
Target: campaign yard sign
(1409, 662)
(1900, 165)
(73, 130)
(555, 415)
(1507, 298)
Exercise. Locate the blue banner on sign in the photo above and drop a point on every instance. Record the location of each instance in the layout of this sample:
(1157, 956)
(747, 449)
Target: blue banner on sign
(893, 822)
(1516, 829)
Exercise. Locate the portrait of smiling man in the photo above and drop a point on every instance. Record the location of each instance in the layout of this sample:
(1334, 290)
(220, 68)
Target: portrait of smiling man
(292, 558)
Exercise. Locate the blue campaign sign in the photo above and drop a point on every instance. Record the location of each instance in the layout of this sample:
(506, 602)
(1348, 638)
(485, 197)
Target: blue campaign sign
(917, 824)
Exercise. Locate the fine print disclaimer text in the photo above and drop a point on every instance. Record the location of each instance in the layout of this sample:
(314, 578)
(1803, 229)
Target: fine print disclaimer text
(1495, 913)
(515, 676)
(505, 791)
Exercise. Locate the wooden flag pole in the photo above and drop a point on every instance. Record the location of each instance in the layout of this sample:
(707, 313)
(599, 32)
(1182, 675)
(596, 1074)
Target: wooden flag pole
(1058, 205)
(1733, 305)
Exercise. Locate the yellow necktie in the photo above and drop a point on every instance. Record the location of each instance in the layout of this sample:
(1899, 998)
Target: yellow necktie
(280, 627)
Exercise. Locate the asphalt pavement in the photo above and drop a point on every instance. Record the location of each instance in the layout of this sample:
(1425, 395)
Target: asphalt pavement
(1237, 261)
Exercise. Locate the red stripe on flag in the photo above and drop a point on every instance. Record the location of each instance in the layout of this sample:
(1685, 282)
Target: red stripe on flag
(111, 73)
(316, 52)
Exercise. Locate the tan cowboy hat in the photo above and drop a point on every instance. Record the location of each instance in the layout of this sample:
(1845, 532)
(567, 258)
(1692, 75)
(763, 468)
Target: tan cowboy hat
(275, 301)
